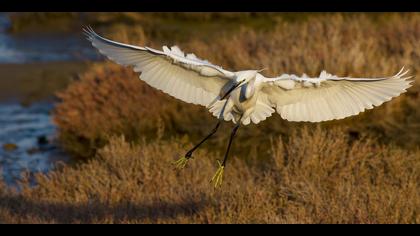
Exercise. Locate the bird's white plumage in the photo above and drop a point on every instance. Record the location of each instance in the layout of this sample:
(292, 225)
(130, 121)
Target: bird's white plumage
(251, 97)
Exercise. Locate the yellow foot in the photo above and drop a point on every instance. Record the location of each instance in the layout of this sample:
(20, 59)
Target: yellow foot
(218, 176)
(181, 163)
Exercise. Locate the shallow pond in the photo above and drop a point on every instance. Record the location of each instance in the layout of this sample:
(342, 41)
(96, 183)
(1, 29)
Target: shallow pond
(27, 133)
(27, 137)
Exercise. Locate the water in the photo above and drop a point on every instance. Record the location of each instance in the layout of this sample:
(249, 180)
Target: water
(27, 136)
(42, 47)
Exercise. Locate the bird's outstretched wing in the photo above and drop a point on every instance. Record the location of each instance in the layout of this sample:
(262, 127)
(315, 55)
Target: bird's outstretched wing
(330, 97)
(185, 77)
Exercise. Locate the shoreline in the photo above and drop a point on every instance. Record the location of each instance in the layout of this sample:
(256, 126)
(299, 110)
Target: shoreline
(36, 81)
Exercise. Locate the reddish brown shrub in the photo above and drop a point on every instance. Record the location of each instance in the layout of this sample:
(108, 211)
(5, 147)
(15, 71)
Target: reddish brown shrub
(110, 100)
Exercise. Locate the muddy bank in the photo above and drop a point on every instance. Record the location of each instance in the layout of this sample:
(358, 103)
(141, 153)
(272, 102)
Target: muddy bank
(33, 82)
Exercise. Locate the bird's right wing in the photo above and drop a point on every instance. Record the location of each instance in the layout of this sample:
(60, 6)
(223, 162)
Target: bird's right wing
(185, 77)
(330, 97)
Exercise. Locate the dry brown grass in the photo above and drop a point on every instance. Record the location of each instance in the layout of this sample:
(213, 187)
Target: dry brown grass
(314, 177)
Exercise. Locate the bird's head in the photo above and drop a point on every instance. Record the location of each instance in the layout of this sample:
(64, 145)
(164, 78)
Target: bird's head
(242, 77)
(246, 75)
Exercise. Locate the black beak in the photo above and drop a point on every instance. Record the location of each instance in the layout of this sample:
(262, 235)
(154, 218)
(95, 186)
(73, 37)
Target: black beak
(230, 90)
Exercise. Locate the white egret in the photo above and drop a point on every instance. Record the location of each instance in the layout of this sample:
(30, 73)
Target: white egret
(248, 96)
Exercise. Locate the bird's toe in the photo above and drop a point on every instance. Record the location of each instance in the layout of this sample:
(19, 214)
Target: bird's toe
(181, 163)
(217, 179)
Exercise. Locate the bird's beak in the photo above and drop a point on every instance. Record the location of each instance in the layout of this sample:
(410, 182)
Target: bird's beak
(231, 89)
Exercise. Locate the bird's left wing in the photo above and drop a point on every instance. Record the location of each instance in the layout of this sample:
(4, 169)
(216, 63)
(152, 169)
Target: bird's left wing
(185, 77)
(330, 97)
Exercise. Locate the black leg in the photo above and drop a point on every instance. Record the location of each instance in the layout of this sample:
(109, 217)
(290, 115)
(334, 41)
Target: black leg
(189, 153)
(218, 176)
(232, 135)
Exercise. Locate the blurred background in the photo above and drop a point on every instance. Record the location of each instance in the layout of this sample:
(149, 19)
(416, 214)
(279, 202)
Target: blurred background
(61, 102)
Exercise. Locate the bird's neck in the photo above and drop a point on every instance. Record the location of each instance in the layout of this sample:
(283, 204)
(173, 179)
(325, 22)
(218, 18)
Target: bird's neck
(248, 89)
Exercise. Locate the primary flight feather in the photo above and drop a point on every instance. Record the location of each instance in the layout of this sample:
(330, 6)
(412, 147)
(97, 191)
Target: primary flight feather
(248, 96)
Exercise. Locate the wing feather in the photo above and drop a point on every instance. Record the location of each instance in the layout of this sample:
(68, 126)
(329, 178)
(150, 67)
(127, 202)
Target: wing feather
(185, 77)
(330, 97)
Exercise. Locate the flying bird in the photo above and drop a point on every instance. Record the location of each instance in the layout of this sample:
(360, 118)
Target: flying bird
(248, 96)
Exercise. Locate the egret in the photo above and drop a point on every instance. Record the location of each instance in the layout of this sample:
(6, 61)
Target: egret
(248, 96)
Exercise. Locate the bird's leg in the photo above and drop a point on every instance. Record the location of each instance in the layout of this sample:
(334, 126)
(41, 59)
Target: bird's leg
(218, 176)
(182, 162)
